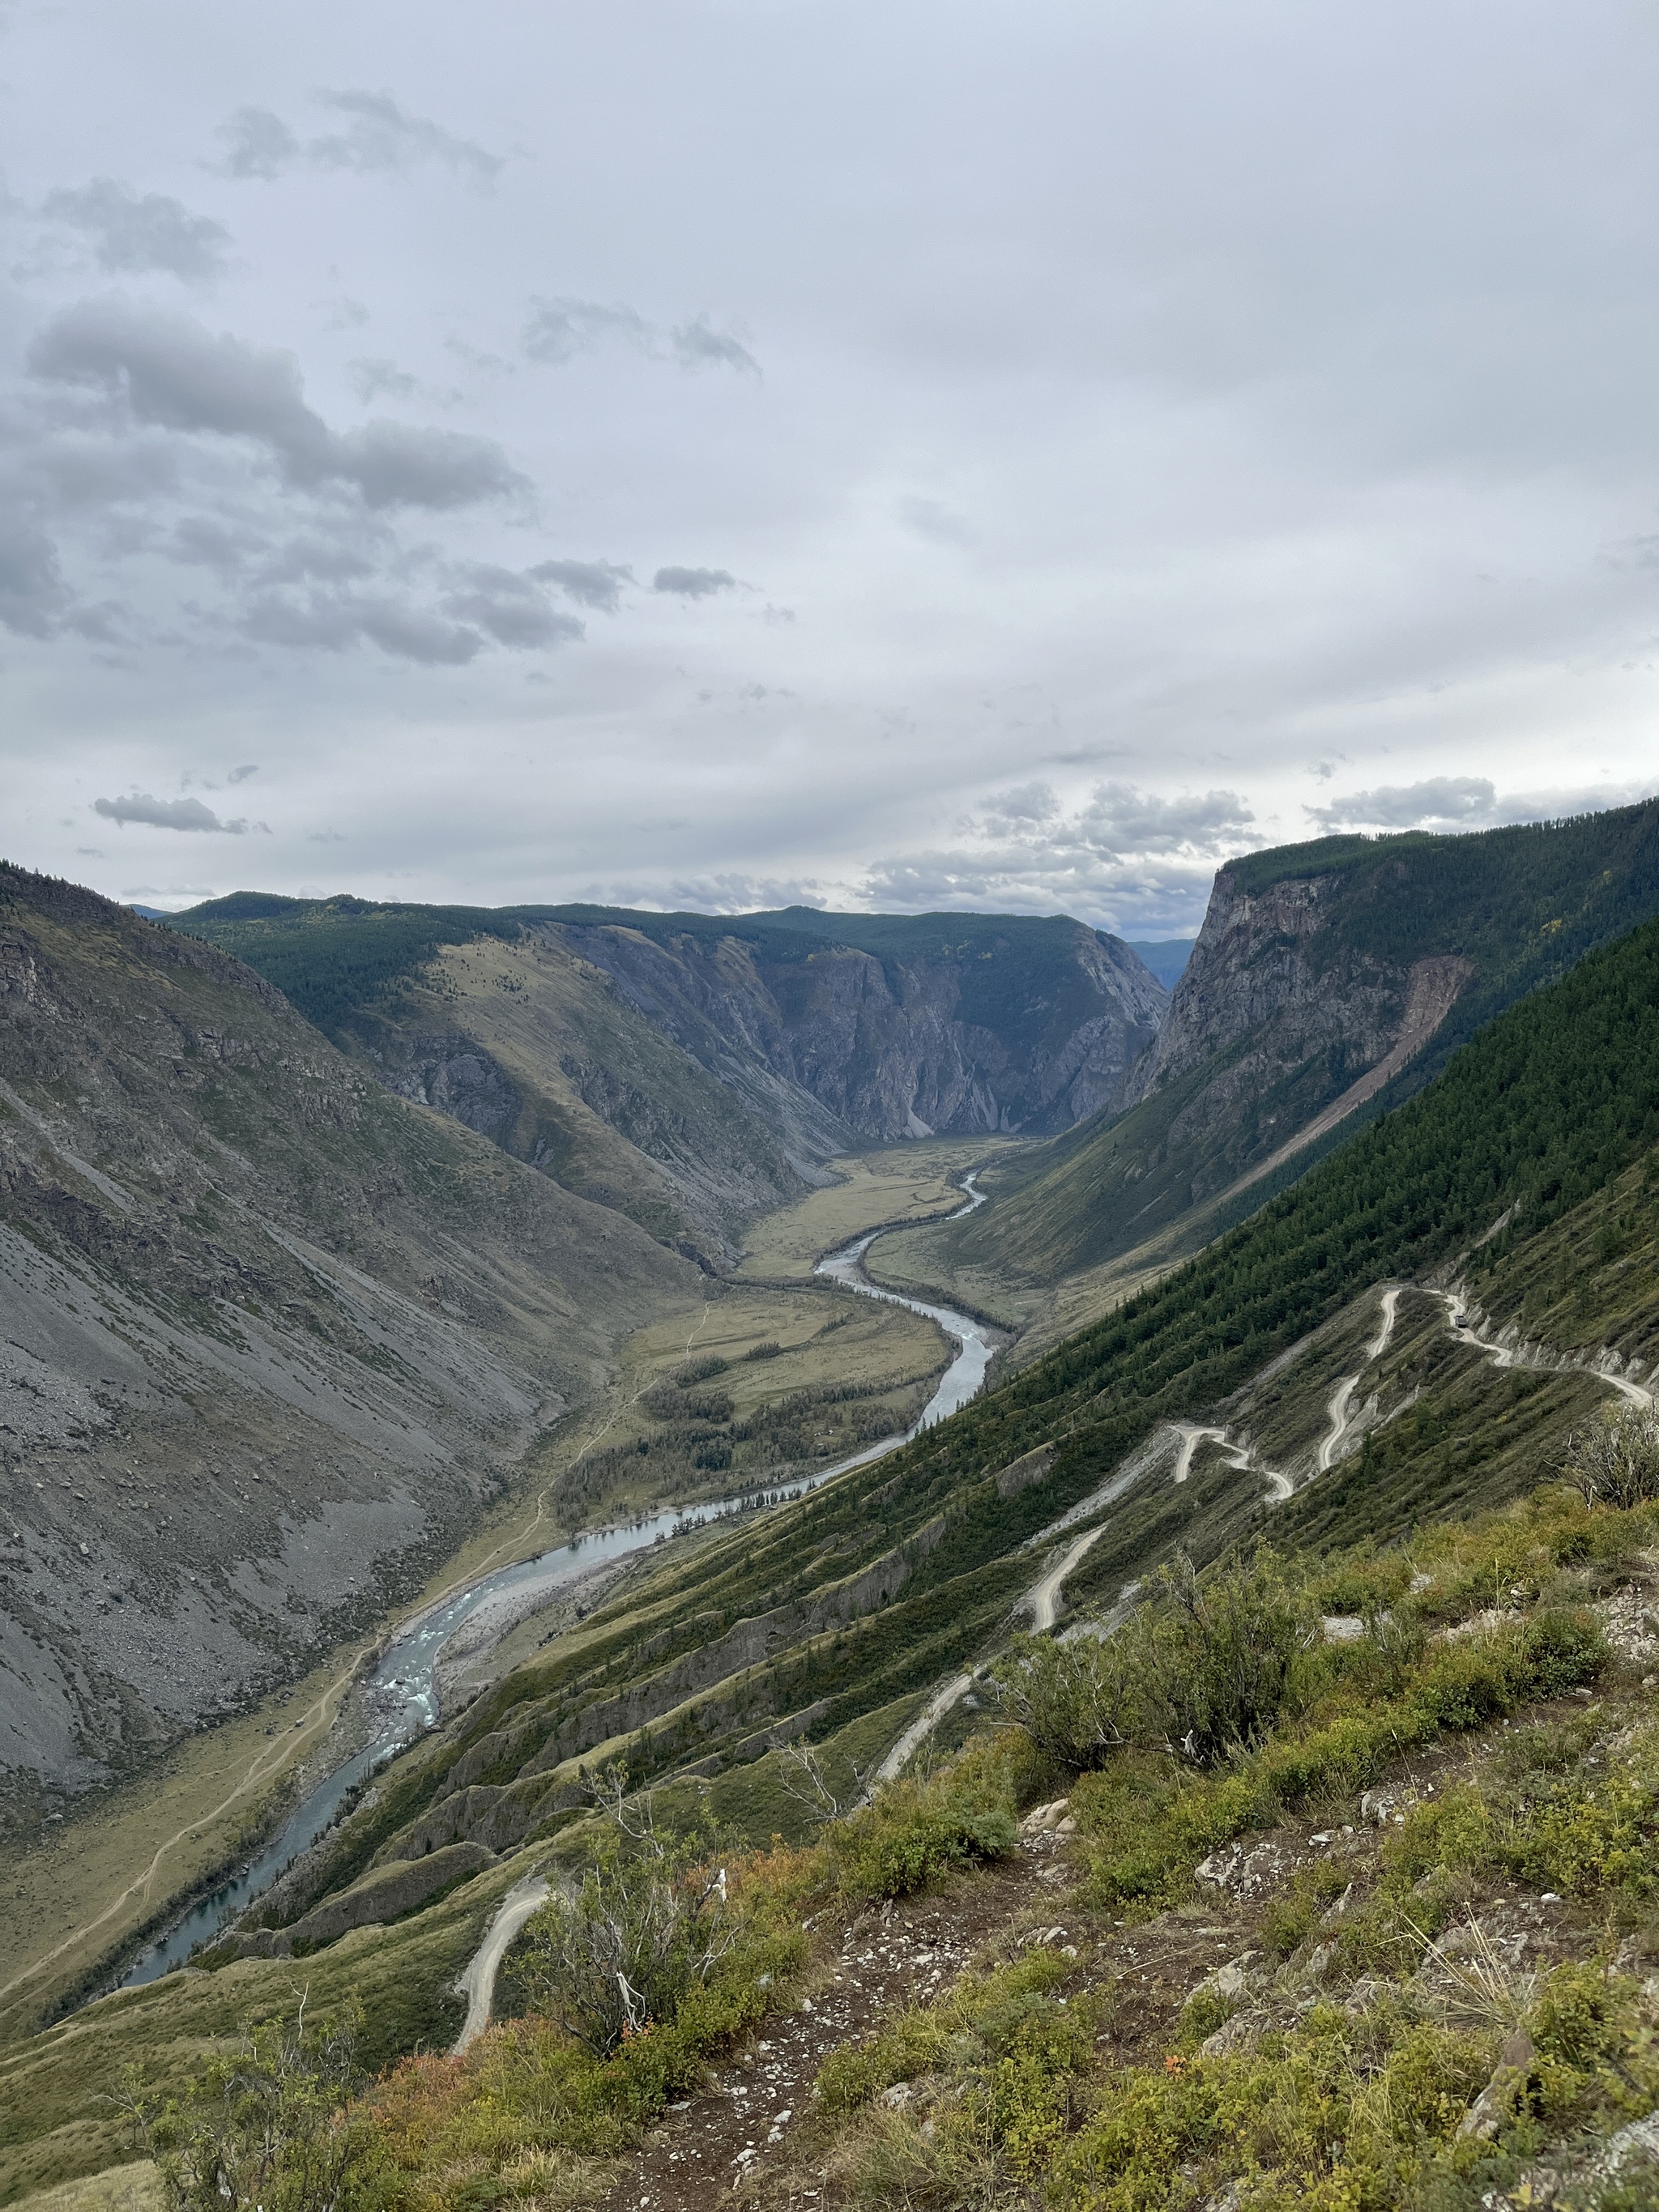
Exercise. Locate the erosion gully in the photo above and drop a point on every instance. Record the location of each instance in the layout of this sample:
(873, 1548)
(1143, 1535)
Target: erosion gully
(401, 1695)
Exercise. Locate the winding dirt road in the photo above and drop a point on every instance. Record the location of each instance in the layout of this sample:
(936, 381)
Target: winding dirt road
(479, 1979)
(1536, 1360)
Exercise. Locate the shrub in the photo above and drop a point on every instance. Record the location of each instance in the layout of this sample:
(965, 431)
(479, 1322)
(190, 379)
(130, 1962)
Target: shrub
(1223, 1663)
(268, 2126)
(1076, 1698)
(901, 1844)
(1203, 1666)
(700, 1370)
(1615, 1461)
(914, 1831)
(645, 1927)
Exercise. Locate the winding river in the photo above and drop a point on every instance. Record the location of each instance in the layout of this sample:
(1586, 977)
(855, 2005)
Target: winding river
(401, 1694)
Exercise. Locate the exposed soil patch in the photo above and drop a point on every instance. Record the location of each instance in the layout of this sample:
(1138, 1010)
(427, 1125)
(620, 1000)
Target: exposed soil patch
(739, 2132)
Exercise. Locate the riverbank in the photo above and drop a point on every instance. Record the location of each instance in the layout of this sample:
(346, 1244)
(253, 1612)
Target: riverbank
(82, 1890)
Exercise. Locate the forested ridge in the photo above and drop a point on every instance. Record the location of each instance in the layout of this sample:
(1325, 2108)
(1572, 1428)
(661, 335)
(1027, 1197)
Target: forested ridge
(336, 956)
(1551, 1101)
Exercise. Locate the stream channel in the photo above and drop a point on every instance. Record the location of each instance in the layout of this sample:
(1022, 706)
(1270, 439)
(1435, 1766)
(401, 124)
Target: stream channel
(401, 1694)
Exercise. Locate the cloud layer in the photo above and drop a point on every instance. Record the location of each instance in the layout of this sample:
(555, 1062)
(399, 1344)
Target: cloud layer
(165, 814)
(911, 459)
(375, 137)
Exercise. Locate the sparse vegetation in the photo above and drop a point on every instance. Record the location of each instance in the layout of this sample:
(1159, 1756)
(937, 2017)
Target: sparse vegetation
(1199, 1670)
(1615, 1461)
(266, 2127)
(646, 1922)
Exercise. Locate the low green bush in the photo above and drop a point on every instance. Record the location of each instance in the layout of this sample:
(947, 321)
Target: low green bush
(1203, 1666)
(915, 1832)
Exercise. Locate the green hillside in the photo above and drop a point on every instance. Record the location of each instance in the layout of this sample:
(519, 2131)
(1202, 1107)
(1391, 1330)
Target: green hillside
(1521, 906)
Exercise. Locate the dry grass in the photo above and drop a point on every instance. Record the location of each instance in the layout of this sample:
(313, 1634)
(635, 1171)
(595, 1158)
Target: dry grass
(904, 1183)
(135, 2187)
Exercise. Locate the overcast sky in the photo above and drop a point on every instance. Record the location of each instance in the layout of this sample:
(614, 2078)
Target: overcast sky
(896, 456)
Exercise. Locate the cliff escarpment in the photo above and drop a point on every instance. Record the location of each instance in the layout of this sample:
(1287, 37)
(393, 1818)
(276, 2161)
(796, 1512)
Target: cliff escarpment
(693, 1070)
(1328, 979)
(946, 1025)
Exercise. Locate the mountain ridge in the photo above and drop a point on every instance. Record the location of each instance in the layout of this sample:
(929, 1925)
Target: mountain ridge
(695, 1070)
(1339, 974)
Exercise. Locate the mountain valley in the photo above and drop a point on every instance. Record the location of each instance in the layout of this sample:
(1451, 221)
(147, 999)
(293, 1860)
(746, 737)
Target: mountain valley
(494, 1231)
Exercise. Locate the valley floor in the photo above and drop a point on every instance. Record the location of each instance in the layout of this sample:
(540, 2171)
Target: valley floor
(71, 1895)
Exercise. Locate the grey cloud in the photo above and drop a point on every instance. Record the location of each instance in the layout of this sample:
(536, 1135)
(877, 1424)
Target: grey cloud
(590, 583)
(1031, 802)
(334, 560)
(165, 814)
(412, 634)
(1123, 852)
(1116, 895)
(103, 625)
(33, 597)
(693, 583)
(258, 145)
(1465, 801)
(334, 625)
(129, 232)
(380, 137)
(558, 330)
(1471, 802)
(483, 604)
(1121, 820)
(369, 378)
(241, 775)
(393, 466)
(173, 374)
(697, 345)
(204, 542)
(83, 472)
(510, 608)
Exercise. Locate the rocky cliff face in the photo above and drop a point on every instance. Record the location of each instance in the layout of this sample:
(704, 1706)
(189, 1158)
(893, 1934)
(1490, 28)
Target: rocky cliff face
(1283, 1032)
(694, 1071)
(946, 1025)
(1326, 976)
(267, 1335)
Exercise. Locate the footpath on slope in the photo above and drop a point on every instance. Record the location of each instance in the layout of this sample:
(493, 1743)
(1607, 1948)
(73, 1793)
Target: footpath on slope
(738, 2133)
(1042, 1600)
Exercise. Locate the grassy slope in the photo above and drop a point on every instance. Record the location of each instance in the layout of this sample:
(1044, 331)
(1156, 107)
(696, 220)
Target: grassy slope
(606, 1105)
